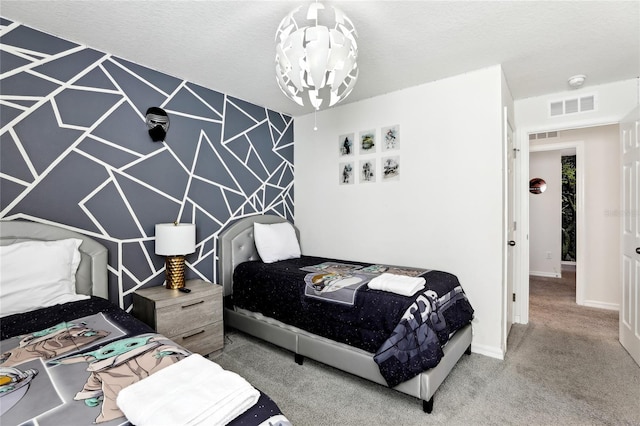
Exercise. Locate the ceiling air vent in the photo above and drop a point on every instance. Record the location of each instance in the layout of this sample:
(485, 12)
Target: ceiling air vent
(572, 106)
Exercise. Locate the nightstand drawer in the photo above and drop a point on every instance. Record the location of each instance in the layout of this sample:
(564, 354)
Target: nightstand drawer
(181, 317)
(202, 340)
(193, 320)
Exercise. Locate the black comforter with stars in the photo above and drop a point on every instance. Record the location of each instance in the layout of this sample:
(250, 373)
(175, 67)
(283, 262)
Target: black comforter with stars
(405, 333)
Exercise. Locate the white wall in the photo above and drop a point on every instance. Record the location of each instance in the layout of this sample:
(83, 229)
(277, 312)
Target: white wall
(545, 215)
(614, 102)
(446, 210)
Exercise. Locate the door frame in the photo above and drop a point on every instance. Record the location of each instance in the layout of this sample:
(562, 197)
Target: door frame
(522, 283)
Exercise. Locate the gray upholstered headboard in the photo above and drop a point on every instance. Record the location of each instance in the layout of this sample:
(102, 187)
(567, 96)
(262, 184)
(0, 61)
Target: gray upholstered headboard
(236, 246)
(91, 278)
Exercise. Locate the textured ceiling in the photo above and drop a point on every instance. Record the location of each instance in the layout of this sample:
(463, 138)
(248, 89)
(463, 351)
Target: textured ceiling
(229, 46)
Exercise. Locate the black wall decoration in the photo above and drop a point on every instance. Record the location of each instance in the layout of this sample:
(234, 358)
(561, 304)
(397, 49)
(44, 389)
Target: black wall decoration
(158, 123)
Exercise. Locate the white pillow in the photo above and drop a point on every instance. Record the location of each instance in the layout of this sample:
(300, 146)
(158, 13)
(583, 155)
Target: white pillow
(36, 274)
(276, 241)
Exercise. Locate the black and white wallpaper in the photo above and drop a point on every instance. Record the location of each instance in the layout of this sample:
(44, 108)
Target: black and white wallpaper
(74, 151)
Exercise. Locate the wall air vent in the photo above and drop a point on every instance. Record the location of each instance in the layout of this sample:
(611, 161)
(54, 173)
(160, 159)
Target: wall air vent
(545, 135)
(572, 105)
(556, 108)
(587, 103)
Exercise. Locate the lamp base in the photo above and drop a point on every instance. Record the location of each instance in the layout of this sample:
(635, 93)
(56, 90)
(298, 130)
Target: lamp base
(174, 272)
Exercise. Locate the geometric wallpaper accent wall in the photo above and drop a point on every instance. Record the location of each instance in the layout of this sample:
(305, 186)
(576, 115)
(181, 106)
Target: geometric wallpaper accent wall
(75, 151)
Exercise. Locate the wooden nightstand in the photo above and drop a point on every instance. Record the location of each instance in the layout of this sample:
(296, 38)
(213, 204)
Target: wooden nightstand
(193, 320)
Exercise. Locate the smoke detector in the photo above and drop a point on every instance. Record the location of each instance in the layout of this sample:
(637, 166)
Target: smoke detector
(577, 81)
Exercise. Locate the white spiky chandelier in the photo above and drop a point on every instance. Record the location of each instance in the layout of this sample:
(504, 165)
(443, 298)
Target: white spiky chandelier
(316, 56)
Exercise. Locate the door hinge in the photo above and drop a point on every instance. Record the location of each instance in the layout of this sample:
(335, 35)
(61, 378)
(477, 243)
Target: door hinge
(515, 225)
(515, 152)
(514, 297)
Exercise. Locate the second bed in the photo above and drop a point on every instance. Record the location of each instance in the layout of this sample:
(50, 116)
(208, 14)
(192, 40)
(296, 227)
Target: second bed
(407, 343)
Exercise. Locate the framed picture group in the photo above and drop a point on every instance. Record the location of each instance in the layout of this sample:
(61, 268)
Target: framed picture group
(369, 156)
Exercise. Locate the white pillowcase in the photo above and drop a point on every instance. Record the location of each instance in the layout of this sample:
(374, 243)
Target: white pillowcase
(36, 274)
(276, 241)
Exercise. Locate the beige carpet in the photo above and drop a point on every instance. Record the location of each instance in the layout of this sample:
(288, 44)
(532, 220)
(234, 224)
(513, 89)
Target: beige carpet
(566, 367)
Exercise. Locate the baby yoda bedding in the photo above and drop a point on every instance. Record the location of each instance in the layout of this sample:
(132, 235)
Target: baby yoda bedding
(66, 364)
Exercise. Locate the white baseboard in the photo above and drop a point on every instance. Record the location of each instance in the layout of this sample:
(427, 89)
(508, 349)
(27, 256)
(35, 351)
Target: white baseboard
(490, 351)
(544, 274)
(602, 305)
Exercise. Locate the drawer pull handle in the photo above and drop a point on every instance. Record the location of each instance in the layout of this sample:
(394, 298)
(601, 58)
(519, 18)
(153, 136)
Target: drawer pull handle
(192, 335)
(193, 304)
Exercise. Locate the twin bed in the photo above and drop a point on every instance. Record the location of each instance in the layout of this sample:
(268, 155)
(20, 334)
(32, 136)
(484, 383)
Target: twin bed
(80, 359)
(73, 357)
(249, 284)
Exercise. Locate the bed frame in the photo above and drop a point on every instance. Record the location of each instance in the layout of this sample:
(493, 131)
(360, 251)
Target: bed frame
(236, 245)
(91, 277)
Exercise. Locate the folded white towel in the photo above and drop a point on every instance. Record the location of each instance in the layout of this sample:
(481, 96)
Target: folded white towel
(400, 284)
(192, 391)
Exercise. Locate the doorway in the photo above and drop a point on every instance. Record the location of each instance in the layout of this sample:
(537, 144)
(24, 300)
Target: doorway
(553, 256)
(598, 250)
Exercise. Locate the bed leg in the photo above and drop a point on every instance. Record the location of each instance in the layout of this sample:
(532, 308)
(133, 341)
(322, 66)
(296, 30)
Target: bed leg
(468, 351)
(427, 406)
(299, 359)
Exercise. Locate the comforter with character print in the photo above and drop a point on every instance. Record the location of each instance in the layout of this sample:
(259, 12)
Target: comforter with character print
(67, 363)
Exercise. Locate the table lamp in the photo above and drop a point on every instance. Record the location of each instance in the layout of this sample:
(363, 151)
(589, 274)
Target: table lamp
(174, 240)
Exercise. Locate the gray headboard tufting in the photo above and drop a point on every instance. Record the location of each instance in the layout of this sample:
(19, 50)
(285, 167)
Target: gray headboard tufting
(236, 245)
(91, 278)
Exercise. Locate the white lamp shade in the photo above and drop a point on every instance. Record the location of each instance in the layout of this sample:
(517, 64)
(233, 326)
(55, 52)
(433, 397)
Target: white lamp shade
(175, 239)
(316, 56)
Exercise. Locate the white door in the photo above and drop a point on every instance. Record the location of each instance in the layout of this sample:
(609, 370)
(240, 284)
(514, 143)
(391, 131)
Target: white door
(630, 302)
(511, 225)
(508, 268)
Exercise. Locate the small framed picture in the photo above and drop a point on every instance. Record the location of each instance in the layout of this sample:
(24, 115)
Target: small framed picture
(390, 168)
(368, 142)
(390, 137)
(345, 145)
(346, 173)
(367, 171)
